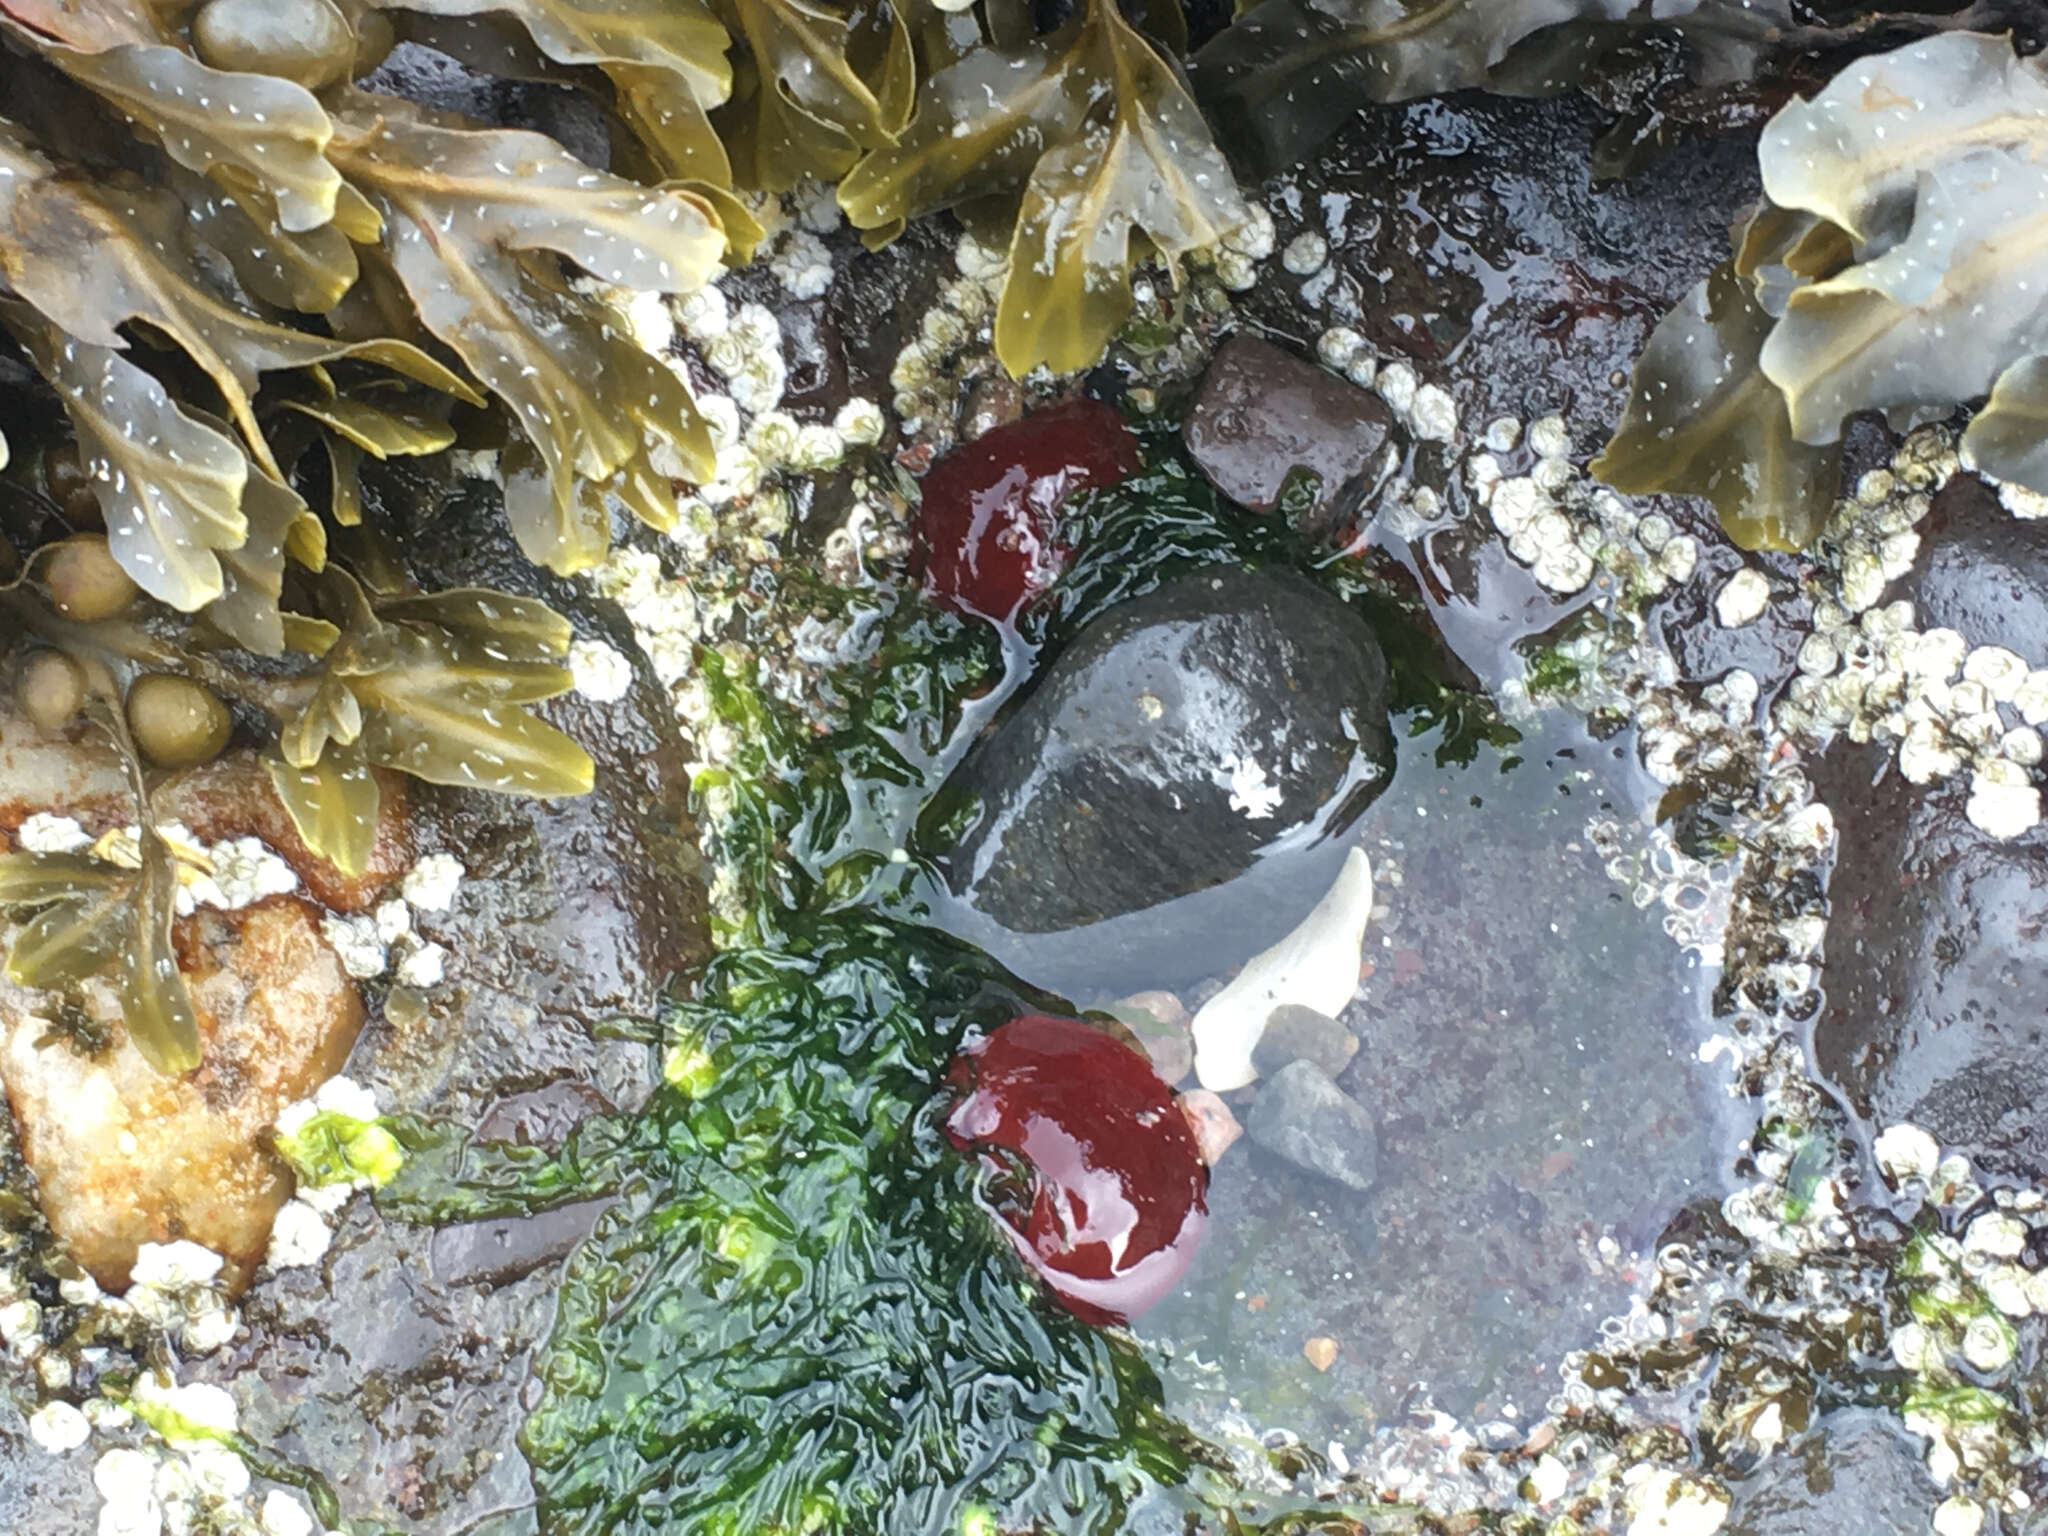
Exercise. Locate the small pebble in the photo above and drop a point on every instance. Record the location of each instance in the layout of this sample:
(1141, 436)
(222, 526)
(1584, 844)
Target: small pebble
(1320, 1352)
(1215, 1127)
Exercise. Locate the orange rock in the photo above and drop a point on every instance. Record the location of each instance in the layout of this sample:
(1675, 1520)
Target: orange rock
(1320, 1352)
(77, 774)
(232, 797)
(123, 1155)
(1215, 1127)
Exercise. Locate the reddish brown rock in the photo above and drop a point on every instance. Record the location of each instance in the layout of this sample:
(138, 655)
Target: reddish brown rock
(1263, 412)
(76, 774)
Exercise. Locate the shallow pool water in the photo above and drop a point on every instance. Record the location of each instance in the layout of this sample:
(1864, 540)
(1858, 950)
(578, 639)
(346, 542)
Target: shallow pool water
(1530, 1056)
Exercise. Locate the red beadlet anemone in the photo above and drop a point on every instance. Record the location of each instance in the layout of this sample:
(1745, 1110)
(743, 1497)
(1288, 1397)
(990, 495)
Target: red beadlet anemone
(987, 534)
(1117, 1182)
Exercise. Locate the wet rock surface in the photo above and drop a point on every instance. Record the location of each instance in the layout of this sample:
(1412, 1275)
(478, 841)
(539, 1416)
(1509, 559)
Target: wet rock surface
(1856, 1473)
(48, 1495)
(1172, 743)
(1937, 984)
(1263, 412)
(1304, 1117)
(572, 912)
(1767, 647)
(1982, 572)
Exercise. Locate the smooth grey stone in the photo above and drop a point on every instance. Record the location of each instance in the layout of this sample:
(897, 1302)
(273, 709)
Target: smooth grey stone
(1307, 1119)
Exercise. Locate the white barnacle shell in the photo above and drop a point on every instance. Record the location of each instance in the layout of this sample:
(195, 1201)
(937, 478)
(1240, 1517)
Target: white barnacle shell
(1316, 966)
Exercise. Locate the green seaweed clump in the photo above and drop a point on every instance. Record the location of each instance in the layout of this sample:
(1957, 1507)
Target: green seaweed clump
(798, 1317)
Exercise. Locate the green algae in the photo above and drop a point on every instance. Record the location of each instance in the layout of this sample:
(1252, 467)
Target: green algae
(797, 1316)
(336, 1148)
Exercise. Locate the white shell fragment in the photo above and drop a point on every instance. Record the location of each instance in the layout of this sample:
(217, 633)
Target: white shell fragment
(1316, 966)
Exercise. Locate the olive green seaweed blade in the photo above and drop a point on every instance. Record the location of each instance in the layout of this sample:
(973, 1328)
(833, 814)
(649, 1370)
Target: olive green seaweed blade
(87, 24)
(813, 107)
(333, 804)
(29, 880)
(252, 574)
(1935, 318)
(521, 191)
(2009, 437)
(91, 257)
(1702, 419)
(332, 715)
(308, 271)
(170, 486)
(156, 1005)
(516, 629)
(447, 738)
(257, 130)
(468, 214)
(680, 41)
(65, 943)
(85, 917)
(981, 124)
(381, 431)
(1853, 152)
(1151, 169)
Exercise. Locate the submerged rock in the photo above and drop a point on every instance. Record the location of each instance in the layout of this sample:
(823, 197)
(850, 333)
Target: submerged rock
(1937, 973)
(1297, 1033)
(1857, 1473)
(1315, 968)
(1219, 727)
(1263, 412)
(1304, 1117)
